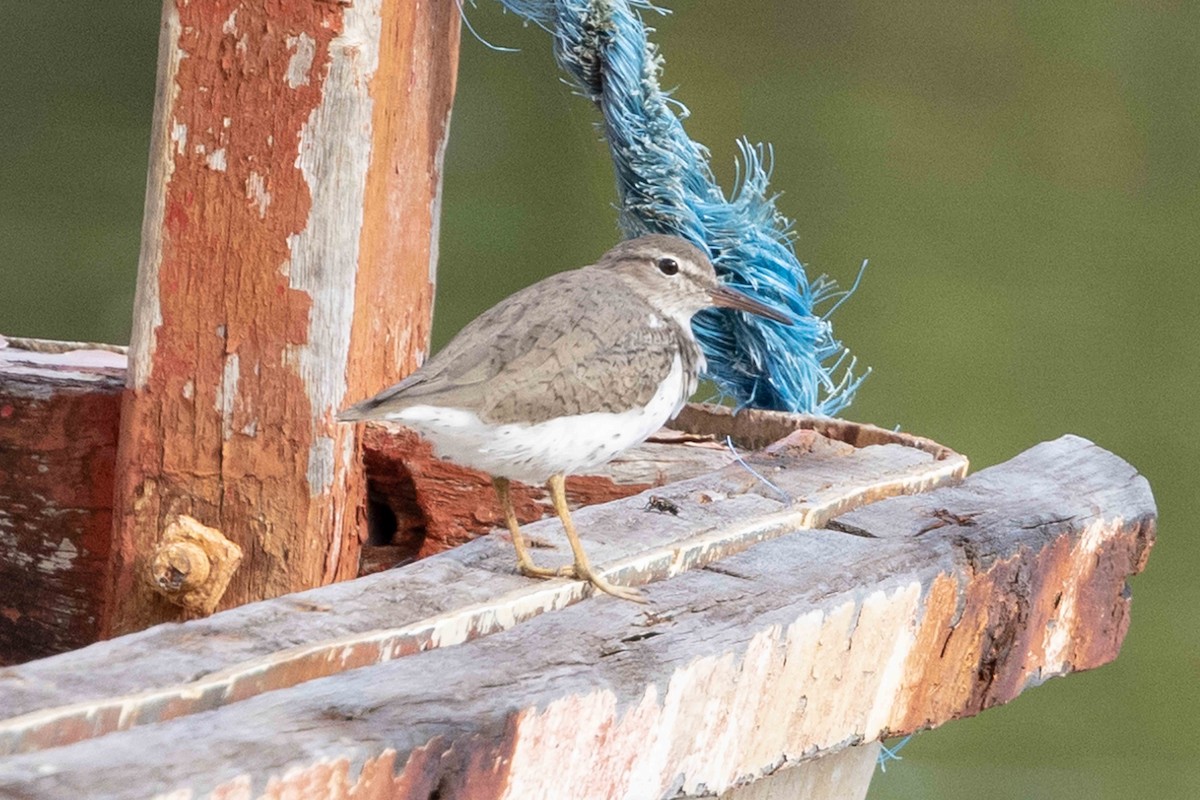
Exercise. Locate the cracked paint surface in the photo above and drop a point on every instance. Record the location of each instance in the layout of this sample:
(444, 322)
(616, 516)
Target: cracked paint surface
(261, 225)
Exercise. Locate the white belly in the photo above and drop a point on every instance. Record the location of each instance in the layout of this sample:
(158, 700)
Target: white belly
(532, 453)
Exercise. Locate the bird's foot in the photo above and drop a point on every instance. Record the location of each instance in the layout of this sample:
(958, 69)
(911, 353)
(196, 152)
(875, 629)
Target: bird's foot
(624, 592)
(531, 570)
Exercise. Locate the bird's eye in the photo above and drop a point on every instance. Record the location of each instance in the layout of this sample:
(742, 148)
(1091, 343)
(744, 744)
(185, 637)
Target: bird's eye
(668, 266)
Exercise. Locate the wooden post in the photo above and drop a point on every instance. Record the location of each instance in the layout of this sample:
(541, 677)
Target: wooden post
(286, 268)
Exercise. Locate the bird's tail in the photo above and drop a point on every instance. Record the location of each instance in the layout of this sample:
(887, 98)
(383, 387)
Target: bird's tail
(352, 414)
(387, 401)
(360, 411)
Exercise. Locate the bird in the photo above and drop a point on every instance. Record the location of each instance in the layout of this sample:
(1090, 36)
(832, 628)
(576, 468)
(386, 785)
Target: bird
(564, 375)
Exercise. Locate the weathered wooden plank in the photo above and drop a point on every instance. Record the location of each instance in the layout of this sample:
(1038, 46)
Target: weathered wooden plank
(449, 598)
(794, 648)
(287, 266)
(59, 414)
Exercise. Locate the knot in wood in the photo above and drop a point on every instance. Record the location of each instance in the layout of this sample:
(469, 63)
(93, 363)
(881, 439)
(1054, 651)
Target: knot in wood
(192, 565)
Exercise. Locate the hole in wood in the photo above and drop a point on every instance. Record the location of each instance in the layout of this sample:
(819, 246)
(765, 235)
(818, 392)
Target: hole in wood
(381, 521)
(395, 524)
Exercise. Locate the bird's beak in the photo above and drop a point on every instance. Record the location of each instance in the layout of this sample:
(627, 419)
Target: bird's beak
(725, 297)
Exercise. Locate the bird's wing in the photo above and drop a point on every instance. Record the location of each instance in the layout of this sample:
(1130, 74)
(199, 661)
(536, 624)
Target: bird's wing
(605, 362)
(571, 338)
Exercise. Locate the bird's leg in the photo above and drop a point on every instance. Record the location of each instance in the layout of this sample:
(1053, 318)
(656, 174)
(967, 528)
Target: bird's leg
(524, 562)
(583, 570)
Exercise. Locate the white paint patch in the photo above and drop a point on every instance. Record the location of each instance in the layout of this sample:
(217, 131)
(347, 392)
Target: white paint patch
(61, 560)
(189, 389)
(228, 394)
(435, 203)
(334, 155)
(168, 135)
(532, 453)
(304, 49)
(1060, 634)
(9, 543)
(230, 26)
(179, 134)
(216, 160)
(320, 462)
(900, 607)
(256, 193)
(63, 557)
(550, 750)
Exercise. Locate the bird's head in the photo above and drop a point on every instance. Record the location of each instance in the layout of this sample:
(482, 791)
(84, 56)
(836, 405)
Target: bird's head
(677, 278)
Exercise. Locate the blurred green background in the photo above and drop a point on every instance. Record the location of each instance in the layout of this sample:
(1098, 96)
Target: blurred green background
(1023, 176)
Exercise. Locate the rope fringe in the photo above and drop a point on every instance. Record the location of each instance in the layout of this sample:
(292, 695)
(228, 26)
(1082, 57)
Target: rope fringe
(666, 185)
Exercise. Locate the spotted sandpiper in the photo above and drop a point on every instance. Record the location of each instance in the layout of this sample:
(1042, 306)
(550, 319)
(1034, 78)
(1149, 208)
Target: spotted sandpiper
(564, 375)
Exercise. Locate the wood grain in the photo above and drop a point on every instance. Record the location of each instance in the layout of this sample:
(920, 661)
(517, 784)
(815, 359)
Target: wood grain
(59, 415)
(792, 649)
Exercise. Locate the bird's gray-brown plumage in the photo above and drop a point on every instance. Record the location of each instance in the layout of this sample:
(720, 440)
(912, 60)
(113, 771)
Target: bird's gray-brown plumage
(575, 343)
(565, 374)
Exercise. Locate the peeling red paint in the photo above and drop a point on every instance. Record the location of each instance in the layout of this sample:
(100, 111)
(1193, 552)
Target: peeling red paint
(982, 642)
(56, 452)
(222, 428)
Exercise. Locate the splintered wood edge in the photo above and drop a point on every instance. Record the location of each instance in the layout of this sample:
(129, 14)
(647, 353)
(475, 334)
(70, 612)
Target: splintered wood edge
(57, 346)
(73, 722)
(788, 651)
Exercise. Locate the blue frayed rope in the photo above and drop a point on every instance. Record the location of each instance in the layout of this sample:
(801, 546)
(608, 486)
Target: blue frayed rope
(666, 185)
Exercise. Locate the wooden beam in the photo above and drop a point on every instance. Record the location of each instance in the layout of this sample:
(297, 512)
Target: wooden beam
(458, 595)
(59, 413)
(287, 268)
(934, 607)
